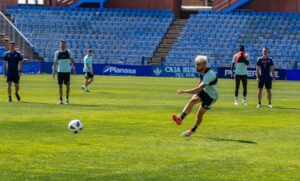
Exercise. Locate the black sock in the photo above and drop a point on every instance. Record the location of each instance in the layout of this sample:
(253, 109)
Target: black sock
(60, 98)
(194, 129)
(270, 103)
(67, 97)
(9, 98)
(259, 102)
(183, 115)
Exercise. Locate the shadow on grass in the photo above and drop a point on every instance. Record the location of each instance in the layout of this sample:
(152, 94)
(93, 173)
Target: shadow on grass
(285, 108)
(231, 140)
(53, 104)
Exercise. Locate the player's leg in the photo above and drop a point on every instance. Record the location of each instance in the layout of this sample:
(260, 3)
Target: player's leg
(198, 121)
(269, 95)
(67, 93)
(67, 83)
(17, 87)
(90, 80)
(259, 95)
(189, 106)
(85, 83)
(187, 109)
(261, 84)
(237, 87)
(269, 92)
(9, 84)
(60, 90)
(60, 87)
(245, 83)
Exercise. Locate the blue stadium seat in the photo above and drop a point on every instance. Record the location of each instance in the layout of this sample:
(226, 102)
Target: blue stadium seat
(114, 34)
(218, 35)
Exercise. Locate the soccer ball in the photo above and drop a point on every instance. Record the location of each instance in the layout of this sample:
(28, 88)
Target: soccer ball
(75, 126)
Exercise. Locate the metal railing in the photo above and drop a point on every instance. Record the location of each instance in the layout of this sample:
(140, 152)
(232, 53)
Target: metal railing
(11, 32)
(223, 4)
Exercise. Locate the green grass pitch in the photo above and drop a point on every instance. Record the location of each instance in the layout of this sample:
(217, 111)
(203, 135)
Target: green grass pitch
(128, 133)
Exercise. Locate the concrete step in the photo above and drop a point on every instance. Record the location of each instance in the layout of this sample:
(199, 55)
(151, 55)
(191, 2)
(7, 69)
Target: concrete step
(174, 31)
(169, 41)
(166, 45)
(180, 22)
(157, 59)
(177, 27)
(162, 50)
(161, 54)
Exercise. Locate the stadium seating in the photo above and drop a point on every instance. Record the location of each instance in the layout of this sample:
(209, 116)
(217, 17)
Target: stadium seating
(115, 35)
(219, 35)
(2, 51)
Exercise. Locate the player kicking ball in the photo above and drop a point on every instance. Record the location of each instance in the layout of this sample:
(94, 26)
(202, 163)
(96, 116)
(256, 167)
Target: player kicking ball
(205, 92)
(88, 70)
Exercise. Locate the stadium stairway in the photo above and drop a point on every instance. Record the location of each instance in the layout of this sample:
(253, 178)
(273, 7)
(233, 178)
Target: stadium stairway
(167, 42)
(12, 36)
(28, 55)
(65, 3)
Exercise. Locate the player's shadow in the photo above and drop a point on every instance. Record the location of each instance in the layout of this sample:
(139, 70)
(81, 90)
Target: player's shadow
(231, 140)
(53, 104)
(285, 108)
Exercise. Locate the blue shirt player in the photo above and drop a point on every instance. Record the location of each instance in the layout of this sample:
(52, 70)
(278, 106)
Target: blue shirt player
(264, 68)
(12, 70)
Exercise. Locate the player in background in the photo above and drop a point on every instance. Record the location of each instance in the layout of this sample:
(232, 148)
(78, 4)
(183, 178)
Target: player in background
(88, 70)
(206, 92)
(12, 70)
(263, 68)
(62, 59)
(240, 63)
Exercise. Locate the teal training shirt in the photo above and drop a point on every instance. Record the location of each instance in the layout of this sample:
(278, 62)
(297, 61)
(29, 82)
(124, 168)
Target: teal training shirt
(88, 60)
(209, 87)
(240, 68)
(64, 60)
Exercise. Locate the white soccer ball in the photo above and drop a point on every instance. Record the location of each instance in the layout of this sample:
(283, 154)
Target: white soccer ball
(75, 126)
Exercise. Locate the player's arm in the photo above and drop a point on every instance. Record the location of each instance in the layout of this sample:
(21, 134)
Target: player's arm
(199, 83)
(4, 68)
(247, 60)
(54, 68)
(273, 72)
(54, 64)
(195, 90)
(90, 69)
(73, 66)
(20, 66)
(233, 66)
(72, 62)
(257, 72)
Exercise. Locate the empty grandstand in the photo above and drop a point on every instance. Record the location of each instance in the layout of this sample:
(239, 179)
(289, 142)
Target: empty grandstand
(133, 37)
(116, 35)
(2, 51)
(219, 34)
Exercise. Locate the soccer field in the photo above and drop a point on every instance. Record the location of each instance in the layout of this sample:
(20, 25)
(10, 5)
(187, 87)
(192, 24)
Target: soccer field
(128, 133)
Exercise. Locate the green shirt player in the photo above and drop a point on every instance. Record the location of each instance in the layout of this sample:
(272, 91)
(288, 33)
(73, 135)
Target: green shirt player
(206, 92)
(240, 61)
(63, 58)
(88, 70)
